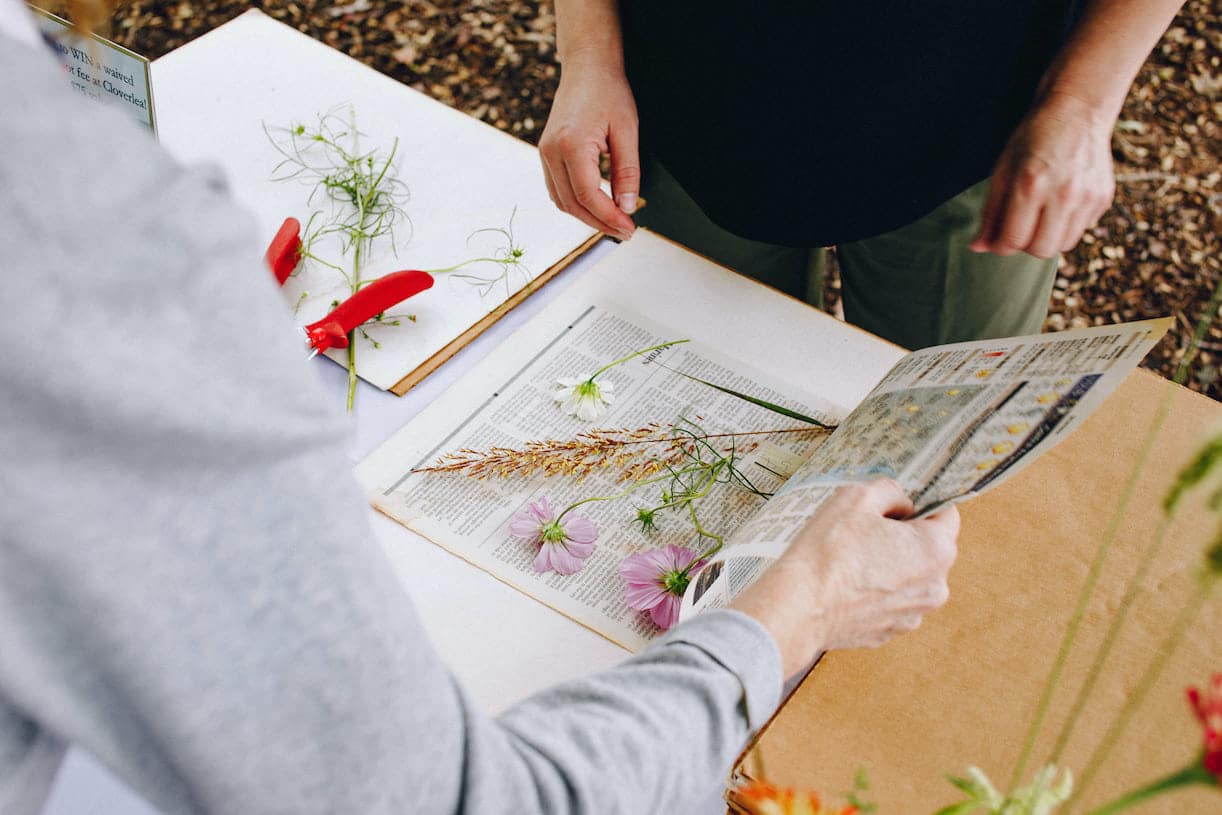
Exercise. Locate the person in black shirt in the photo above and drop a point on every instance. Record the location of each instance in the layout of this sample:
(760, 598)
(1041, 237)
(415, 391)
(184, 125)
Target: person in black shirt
(951, 151)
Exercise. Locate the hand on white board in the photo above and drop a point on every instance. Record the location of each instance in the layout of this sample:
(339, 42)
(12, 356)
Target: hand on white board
(594, 113)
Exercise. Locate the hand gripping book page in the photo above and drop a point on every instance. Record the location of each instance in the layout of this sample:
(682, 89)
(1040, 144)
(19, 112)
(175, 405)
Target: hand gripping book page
(947, 423)
(742, 335)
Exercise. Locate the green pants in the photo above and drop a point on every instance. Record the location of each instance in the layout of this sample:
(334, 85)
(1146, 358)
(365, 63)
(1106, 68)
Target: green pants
(917, 286)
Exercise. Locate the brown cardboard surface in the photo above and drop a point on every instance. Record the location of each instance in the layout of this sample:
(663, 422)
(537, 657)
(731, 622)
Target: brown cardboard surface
(963, 688)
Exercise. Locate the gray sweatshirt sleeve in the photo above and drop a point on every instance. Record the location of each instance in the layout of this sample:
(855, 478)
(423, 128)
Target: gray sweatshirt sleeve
(188, 585)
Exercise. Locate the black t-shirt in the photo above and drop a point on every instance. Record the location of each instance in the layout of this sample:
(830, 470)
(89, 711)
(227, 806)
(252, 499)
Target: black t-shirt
(810, 123)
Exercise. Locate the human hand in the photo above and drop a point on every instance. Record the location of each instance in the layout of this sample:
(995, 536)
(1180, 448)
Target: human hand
(1053, 180)
(593, 113)
(856, 575)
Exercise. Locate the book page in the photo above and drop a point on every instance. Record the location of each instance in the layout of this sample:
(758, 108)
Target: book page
(947, 423)
(471, 517)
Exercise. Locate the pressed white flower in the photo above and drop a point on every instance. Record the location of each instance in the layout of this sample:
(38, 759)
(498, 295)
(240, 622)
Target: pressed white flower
(584, 398)
(587, 399)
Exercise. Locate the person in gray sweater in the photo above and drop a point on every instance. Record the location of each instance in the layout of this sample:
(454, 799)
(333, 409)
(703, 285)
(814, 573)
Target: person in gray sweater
(189, 589)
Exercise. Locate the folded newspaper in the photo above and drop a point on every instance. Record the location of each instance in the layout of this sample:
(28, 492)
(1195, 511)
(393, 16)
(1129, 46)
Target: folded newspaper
(947, 423)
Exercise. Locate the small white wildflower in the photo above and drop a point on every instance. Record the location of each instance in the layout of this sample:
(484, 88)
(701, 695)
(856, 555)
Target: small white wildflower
(584, 398)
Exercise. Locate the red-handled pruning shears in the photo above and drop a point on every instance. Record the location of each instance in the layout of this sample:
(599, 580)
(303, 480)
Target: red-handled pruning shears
(373, 298)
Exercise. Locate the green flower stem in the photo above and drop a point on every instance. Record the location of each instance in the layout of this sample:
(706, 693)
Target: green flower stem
(1133, 700)
(1194, 774)
(1109, 537)
(351, 370)
(364, 237)
(700, 530)
(635, 486)
(633, 355)
(710, 480)
(711, 472)
(1207, 318)
(307, 255)
(1109, 639)
(458, 266)
(1088, 590)
(356, 284)
(377, 182)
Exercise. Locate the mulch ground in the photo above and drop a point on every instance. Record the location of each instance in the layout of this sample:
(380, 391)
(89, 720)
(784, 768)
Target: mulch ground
(1157, 252)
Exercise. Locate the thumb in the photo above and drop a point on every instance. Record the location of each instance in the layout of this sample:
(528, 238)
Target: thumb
(625, 165)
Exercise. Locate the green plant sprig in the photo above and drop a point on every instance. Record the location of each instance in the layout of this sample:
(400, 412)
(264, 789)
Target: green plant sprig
(687, 484)
(365, 194)
(366, 200)
(508, 257)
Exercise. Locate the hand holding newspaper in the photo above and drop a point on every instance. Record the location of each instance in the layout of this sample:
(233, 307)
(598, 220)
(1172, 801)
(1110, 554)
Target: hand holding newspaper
(945, 422)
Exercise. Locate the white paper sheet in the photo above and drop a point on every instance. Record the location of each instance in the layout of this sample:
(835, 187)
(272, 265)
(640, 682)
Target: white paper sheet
(216, 95)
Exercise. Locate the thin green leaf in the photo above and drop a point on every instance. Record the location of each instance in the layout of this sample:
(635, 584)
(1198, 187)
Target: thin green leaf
(1195, 472)
(965, 784)
(784, 411)
(961, 808)
(1213, 560)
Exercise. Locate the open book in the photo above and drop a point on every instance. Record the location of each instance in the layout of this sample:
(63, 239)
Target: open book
(946, 422)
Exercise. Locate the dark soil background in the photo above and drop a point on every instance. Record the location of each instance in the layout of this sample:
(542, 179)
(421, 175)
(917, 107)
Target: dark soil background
(1157, 252)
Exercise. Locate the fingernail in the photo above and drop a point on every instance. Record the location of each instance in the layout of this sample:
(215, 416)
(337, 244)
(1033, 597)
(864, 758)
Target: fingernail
(626, 201)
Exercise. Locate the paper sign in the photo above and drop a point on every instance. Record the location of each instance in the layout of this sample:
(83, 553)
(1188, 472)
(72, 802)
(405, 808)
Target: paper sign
(100, 69)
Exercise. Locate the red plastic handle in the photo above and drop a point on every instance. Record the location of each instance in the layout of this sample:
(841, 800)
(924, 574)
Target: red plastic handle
(332, 331)
(284, 252)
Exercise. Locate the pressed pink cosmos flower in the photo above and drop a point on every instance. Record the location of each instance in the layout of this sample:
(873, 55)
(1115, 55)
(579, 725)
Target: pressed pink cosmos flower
(655, 581)
(564, 541)
(1209, 710)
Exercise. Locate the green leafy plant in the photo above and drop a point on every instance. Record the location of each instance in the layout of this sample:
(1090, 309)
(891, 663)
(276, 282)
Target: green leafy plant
(360, 202)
